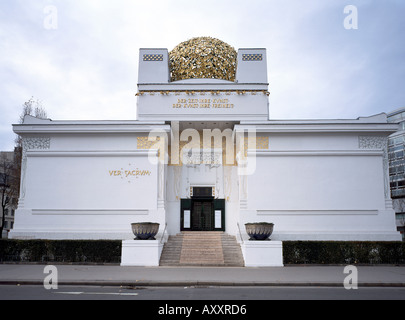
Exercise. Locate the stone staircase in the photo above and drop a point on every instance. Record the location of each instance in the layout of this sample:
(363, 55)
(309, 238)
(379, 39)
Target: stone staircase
(202, 249)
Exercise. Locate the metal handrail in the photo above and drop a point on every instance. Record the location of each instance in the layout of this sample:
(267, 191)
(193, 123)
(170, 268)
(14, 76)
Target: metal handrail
(240, 233)
(164, 231)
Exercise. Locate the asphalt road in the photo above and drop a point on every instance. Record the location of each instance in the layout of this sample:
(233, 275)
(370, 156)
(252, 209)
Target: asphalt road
(197, 293)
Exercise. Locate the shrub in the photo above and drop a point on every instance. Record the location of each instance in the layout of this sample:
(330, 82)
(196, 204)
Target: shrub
(343, 252)
(66, 251)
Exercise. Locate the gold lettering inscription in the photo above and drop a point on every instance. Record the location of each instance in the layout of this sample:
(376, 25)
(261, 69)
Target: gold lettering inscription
(136, 173)
(203, 103)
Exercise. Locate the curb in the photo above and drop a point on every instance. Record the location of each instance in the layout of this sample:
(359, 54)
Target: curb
(198, 284)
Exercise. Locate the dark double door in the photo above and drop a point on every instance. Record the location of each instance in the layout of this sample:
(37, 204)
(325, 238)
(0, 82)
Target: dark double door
(202, 215)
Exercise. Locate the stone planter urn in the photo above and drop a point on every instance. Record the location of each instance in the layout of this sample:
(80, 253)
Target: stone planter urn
(259, 231)
(145, 230)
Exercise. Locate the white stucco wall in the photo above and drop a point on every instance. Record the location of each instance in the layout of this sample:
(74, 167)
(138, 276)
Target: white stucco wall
(320, 187)
(87, 185)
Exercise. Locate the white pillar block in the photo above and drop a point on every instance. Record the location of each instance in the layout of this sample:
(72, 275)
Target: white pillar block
(263, 253)
(141, 253)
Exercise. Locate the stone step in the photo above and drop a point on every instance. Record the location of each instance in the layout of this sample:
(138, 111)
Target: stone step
(202, 249)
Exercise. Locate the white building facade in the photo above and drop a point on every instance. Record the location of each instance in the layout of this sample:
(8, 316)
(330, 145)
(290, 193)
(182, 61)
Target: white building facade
(204, 155)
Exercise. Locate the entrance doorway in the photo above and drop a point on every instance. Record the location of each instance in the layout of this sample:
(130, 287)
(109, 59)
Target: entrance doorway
(202, 217)
(202, 214)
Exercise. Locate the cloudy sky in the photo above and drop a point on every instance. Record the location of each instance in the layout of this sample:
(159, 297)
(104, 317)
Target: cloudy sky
(83, 63)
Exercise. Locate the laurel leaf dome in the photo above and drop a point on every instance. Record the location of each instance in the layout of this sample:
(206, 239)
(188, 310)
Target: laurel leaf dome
(203, 57)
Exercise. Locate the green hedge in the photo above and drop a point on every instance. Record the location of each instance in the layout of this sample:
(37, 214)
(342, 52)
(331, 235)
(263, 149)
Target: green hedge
(63, 251)
(294, 252)
(342, 252)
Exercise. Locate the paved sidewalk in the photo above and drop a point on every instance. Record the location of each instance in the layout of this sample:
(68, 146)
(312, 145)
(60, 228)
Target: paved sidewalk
(114, 275)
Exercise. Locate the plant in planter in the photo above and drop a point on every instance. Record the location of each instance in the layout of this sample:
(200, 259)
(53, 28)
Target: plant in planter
(259, 231)
(145, 230)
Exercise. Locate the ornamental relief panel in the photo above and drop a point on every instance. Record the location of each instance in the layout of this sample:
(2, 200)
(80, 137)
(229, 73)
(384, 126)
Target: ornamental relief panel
(379, 143)
(38, 143)
(373, 142)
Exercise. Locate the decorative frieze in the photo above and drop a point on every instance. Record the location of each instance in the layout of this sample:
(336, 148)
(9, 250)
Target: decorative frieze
(153, 57)
(373, 142)
(202, 92)
(37, 143)
(379, 143)
(144, 143)
(208, 157)
(252, 57)
(261, 143)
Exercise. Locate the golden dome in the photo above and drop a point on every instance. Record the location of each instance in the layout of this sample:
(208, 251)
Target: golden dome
(203, 57)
